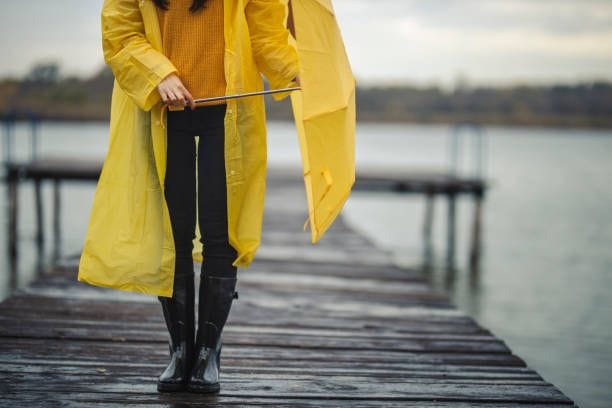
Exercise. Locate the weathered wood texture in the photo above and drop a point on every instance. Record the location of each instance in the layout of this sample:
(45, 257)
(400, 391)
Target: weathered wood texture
(336, 324)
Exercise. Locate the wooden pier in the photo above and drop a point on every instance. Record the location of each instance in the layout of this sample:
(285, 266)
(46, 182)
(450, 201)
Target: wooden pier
(335, 324)
(429, 184)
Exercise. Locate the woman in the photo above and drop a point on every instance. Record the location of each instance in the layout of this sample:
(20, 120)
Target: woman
(168, 52)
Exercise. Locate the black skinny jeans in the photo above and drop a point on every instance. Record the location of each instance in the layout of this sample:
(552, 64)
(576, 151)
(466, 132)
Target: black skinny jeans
(207, 122)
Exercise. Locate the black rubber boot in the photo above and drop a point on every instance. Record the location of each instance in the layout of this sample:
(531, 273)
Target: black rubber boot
(180, 320)
(216, 296)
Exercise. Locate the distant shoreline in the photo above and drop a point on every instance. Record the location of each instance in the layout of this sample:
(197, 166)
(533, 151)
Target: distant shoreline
(492, 124)
(586, 105)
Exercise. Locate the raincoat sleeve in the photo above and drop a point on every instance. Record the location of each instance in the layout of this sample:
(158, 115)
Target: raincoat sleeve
(137, 66)
(275, 57)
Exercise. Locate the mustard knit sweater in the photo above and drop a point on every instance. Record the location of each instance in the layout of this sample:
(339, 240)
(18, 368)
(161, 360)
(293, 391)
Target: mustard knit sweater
(194, 43)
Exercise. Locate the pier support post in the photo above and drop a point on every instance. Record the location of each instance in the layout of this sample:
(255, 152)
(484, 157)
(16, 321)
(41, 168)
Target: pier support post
(40, 236)
(451, 231)
(476, 238)
(56, 222)
(13, 206)
(427, 230)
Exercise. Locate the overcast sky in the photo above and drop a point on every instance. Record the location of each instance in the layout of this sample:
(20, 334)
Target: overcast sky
(419, 41)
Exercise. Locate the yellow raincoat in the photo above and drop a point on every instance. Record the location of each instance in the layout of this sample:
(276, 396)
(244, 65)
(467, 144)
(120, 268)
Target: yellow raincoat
(129, 243)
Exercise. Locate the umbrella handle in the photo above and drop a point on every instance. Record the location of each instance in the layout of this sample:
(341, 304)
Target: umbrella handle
(243, 95)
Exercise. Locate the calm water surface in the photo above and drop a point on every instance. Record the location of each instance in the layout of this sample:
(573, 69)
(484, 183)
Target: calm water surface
(547, 233)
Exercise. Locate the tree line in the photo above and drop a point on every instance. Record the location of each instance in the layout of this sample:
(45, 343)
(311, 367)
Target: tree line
(45, 93)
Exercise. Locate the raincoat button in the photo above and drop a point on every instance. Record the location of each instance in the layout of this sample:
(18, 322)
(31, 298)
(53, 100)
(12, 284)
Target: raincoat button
(232, 172)
(157, 122)
(230, 111)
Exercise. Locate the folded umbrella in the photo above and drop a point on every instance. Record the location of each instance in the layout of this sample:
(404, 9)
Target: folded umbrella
(324, 112)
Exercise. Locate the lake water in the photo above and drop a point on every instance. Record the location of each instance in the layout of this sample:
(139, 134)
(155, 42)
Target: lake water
(546, 267)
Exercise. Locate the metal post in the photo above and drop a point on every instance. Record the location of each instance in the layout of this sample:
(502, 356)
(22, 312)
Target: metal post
(479, 151)
(33, 136)
(454, 152)
(8, 139)
(479, 146)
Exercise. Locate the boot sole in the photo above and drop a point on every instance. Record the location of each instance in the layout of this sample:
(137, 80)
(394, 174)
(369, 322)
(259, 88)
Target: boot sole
(204, 388)
(170, 387)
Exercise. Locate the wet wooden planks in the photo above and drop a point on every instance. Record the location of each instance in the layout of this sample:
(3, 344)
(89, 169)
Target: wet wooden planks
(336, 324)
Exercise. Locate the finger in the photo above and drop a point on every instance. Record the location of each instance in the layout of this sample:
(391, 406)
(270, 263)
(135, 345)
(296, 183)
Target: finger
(189, 101)
(189, 98)
(183, 96)
(164, 96)
(179, 91)
(183, 91)
(173, 98)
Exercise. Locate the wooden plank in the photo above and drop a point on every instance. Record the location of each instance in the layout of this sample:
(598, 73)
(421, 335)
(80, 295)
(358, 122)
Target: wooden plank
(323, 368)
(92, 399)
(424, 305)
(153, 328)
(72, 168)
(299, 386)
(150, 315)
(288, 339)
(118, 350)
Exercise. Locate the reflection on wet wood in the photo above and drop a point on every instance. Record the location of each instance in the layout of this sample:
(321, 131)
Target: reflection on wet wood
(350, 329)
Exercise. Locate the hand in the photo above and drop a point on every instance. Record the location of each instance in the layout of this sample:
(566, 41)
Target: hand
(173, 92)
(297, 81)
